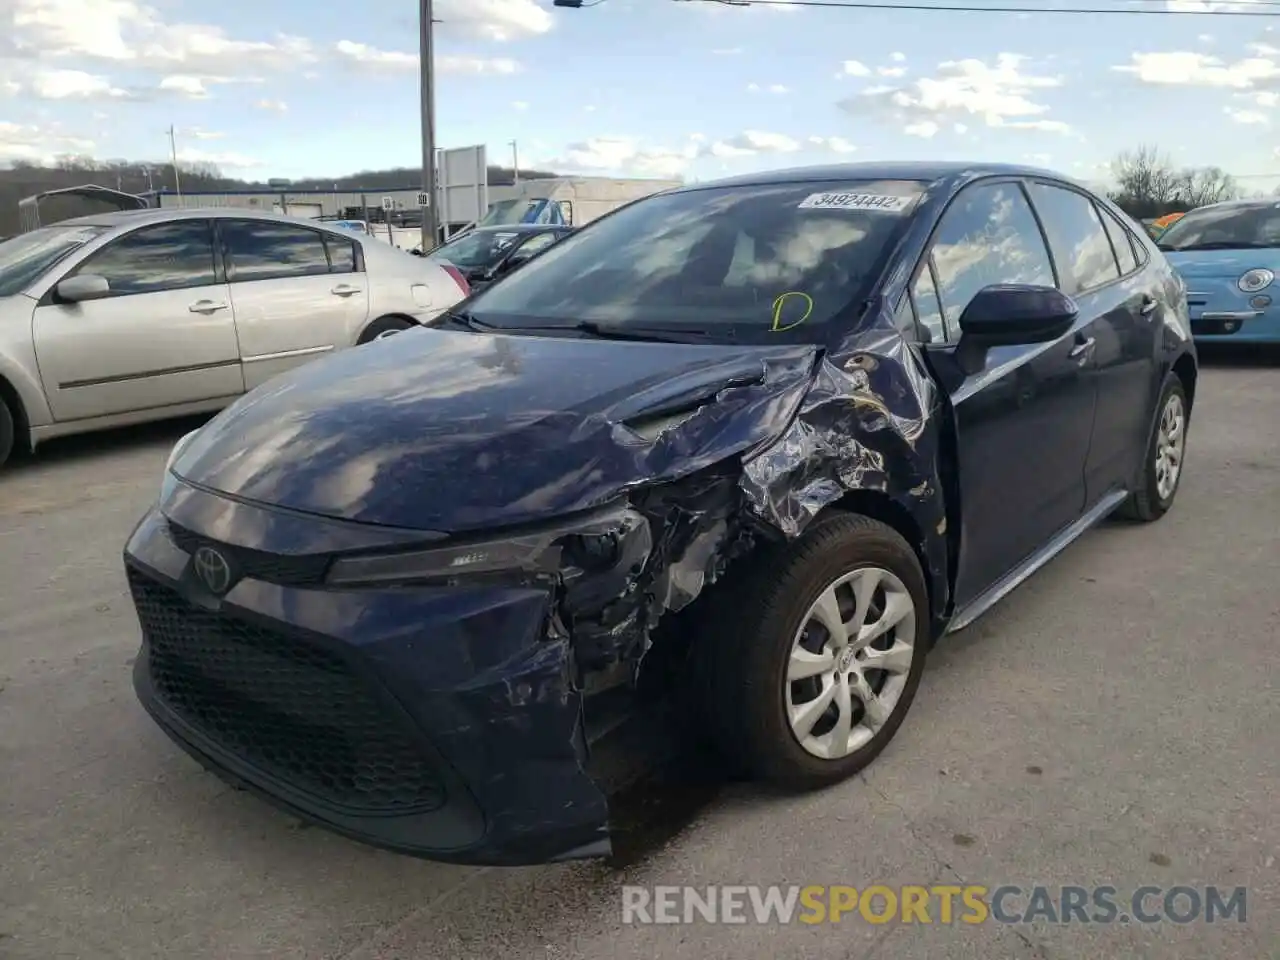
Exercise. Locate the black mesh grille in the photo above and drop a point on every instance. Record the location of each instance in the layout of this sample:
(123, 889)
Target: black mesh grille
(256, 564)
(296, 711)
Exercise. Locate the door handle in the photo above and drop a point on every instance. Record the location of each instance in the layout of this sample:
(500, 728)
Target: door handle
(206, 306)
(1149, 303)
(1083, 348)
(344, 290)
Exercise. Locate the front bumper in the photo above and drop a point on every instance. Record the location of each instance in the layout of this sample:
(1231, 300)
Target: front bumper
(437, 722)
(1222, 313)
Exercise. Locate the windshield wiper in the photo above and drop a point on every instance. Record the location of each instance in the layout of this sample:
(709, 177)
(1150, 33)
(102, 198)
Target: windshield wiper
(610, 331)
(468, 321)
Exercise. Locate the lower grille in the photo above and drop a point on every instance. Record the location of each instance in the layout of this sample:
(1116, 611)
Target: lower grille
(297, 712)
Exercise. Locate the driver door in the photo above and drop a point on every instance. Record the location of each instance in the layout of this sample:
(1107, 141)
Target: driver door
(1024, 422)
(163, 336)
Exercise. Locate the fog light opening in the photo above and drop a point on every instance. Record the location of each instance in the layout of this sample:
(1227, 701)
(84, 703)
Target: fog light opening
(1260, 302)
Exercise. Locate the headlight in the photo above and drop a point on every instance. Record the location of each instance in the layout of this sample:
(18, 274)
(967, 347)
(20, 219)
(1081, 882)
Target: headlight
(1255, 280)
(588, 544)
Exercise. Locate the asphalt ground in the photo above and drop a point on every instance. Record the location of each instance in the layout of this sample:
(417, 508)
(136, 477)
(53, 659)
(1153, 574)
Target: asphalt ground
(1115, 721)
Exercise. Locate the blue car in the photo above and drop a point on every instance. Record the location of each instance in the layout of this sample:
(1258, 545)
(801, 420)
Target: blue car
(1228, 254)
(744, 450)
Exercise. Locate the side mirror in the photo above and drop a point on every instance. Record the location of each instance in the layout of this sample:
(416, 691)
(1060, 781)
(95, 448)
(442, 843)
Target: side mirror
(417, 252)
(86, 286)
(1005, 314)
(1011, 314)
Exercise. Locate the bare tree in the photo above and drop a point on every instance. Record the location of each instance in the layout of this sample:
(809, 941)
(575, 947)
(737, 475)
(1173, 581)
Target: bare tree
(1146, 181)
(1208, 185)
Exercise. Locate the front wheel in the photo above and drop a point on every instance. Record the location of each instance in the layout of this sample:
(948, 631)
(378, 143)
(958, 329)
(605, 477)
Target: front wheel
(814, 654)
(1163, 460)
(6, 432)
(384, 327)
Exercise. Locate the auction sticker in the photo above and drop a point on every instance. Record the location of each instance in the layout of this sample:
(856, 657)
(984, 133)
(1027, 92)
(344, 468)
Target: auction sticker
(856, 201)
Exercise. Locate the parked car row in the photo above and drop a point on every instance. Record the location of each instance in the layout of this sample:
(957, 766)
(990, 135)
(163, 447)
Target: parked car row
(755, 444)
(127, 317)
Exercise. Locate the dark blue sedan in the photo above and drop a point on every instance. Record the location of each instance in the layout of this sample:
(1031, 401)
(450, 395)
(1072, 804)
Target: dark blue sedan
(759, 442)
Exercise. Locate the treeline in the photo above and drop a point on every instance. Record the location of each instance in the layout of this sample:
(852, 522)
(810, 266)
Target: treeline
(1147, 183)
(24, 179)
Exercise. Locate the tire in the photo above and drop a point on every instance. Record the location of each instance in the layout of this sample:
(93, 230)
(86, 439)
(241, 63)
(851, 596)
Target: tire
(384, 327)
(754, 625)
(1153, 497)
(6, 432)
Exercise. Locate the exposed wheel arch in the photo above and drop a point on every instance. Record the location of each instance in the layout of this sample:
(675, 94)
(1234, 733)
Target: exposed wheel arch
(384, 325)
(21, 427)
(1185, 368)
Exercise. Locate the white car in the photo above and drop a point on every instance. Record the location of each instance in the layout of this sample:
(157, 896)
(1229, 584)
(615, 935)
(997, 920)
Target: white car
(141, 315)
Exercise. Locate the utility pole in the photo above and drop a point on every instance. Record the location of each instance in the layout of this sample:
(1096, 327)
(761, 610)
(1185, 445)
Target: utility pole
(173, 154)
(515, 164)
(427, 78)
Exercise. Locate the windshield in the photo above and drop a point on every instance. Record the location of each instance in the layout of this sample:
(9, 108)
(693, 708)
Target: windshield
(505, 211)
(756, 262)
(1224, 228)
(25, 257)
(479, 248)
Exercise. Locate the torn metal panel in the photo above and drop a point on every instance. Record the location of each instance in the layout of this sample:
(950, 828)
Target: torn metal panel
(865, 425)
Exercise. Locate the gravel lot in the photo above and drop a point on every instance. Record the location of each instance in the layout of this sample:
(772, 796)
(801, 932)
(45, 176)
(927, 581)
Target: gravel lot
(1114, 721)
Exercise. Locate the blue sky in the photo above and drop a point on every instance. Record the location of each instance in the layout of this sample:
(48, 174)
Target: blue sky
(635, 87)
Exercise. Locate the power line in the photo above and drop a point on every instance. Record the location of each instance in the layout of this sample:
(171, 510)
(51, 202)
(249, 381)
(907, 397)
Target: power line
(965, 8)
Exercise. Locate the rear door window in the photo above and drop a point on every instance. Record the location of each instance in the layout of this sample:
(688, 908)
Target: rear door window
(264, 250)
(1121, 241)
(1076, 235)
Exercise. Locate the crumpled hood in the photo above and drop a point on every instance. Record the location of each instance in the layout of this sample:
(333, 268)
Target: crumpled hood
(1216, 264)
(451, 431)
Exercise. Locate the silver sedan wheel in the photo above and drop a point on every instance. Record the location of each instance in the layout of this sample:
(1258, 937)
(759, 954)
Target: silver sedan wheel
(1171, 441)
(850, 661)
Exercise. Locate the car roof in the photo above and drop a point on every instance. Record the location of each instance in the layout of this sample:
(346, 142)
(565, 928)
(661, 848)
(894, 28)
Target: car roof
(129, 218)
(927, 171)
(1253, 203)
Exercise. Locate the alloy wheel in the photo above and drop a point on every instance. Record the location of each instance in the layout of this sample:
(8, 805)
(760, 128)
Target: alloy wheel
(849, 662)
(1170, 444)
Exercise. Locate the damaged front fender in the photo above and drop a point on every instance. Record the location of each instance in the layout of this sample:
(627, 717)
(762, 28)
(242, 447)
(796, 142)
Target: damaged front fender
(866, 426)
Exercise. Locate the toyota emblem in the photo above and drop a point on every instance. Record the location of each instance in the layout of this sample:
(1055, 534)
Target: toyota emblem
(212, 569)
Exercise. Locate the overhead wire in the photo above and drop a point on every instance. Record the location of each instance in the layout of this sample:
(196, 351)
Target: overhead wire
(970, 8)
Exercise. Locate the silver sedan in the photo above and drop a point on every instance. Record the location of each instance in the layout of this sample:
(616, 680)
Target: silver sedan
(127, 317)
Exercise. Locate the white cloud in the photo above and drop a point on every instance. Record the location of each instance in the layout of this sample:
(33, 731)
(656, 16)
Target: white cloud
(1248, 117)
(1184, 68)
(752, 142)
(1041, 159)
(726, 51)
(833, 144)
(38, 144)
(892, 71)
(364, 55)
(223, 160)
(921, 128)
(73, 85)
(898, 57)
(776, 88)
(519, 104)
(274, 106)
(500, 20)
(198, 133)
(998, 95)
(855, 68)
(628, 155)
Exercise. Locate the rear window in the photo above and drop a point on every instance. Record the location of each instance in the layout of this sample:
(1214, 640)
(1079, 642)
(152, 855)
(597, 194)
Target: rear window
(762, 261)
(1225, 228)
